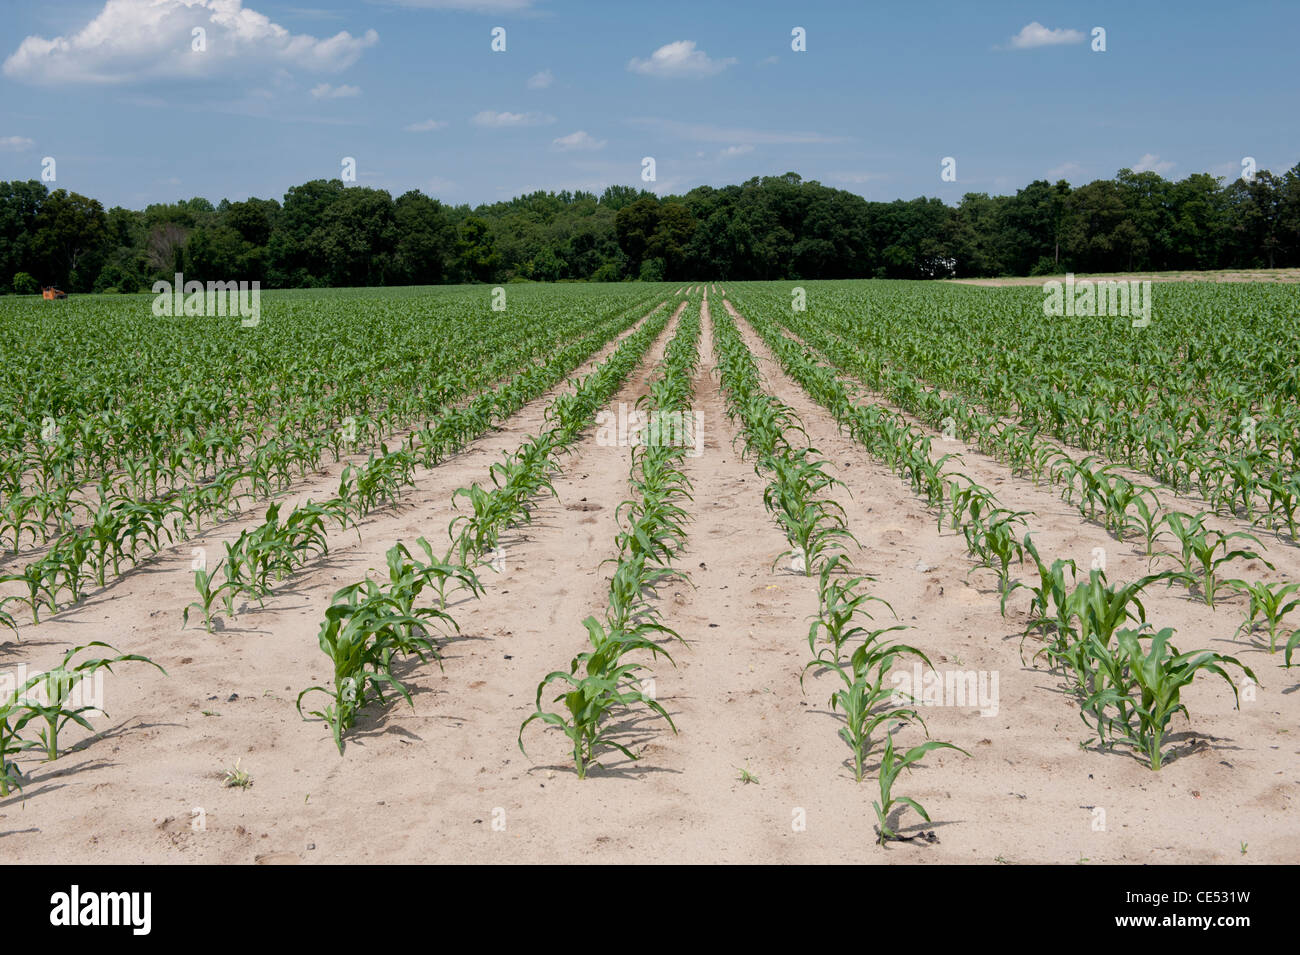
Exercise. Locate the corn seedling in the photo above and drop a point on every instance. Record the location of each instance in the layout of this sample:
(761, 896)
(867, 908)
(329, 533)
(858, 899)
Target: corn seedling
(865, 700)
(363, 631)
(1268, 604)
(1138, 691)
(841, 603)
(208, 595)
(52, 692)
(891, 765)
(1204, 551)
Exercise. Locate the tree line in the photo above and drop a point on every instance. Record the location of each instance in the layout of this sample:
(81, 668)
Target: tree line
(324, 233)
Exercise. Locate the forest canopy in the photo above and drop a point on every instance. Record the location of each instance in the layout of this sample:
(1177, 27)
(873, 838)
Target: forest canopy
(323, 233)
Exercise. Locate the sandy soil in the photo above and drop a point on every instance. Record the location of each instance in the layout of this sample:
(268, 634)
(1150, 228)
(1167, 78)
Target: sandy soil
(447, 781)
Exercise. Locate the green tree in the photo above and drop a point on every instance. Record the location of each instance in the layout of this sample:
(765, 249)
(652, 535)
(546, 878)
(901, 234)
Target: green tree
(425, 240)
(71, 232)
(476, 251)
(635, 226)
(25, 284)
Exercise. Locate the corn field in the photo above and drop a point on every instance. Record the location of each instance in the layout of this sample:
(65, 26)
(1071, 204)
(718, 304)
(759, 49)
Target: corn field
(871, 572)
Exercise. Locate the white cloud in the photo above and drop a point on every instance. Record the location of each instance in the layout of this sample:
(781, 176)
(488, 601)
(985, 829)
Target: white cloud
(1035, 35)
(769, 61)
(15, 144)
(579, 140)
(679, 59)
(494, 119)
(542, 80)
(325, 91)
(426, 126)
(708, 133)
(731, 151)
(130, 40)
(1150, 162)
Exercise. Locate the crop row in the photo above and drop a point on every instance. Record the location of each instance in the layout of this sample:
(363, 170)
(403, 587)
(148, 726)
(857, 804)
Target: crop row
(368, 624)
(652, 535)
(123, 529)
(1128, 691)
(1120, 505)
(256, 441)
(816, 527)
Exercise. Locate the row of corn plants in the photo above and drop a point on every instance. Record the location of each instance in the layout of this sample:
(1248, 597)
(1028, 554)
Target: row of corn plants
(1124, 507)
(371, 625)
(284, 548)
(601, 681)
(1081, 624)
(842, 637)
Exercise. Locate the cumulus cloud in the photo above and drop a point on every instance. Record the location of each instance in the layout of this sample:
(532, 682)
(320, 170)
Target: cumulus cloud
(426, 126)
(679, 59)
(325, 91)
(1035, 35)
(14, 144)
(131, 40)
(494, 119)
(540, 81)
(1150, 162)
(579, 140)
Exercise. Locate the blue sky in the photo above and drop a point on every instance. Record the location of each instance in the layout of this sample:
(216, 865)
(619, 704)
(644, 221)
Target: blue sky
(284, 89)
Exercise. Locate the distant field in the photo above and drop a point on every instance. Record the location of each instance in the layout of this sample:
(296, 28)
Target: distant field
(1226, 275)
(373, 536)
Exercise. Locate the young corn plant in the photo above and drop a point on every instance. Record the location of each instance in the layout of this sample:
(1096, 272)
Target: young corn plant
(47, 697)
(606, 683)
(204, 579)
(841, 603)
(1147, 520)
(1268, 604)
(408, 576)
(14, 715)
(1204, 551)
(892, 765)
(995, 546)
(1101, 610)
(865, 700)
(1118, 495)
(364, 630)
(1138, 691)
